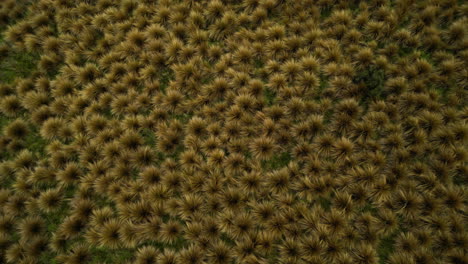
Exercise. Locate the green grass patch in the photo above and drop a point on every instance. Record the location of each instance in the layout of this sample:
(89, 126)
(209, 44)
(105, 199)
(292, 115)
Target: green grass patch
(178, 244)
(225, 238)
(277, 161)
(322, 86)
(35, 143)
(184, 118)
(325, 203)
(17, 64)
(110, 256)
(325, 12)
(100, 201)
(149, 137)
(405, 51)
(55, 218)
(369, 208)
(48, 257)
(3, 121)
(166, 76)
(258, 63)
(386, 247)
(427, 56)
(269, 96)
(373, 79)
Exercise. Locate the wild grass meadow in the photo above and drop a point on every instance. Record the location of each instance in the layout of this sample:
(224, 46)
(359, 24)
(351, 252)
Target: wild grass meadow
(224, 131)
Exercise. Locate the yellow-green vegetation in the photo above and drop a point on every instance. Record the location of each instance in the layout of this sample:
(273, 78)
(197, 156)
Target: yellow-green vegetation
(221, 131)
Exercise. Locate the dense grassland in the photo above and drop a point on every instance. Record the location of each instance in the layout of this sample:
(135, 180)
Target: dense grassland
(253, 131)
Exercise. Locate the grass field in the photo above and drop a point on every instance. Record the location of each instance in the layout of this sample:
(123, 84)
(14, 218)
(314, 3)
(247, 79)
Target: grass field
(254, 131)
